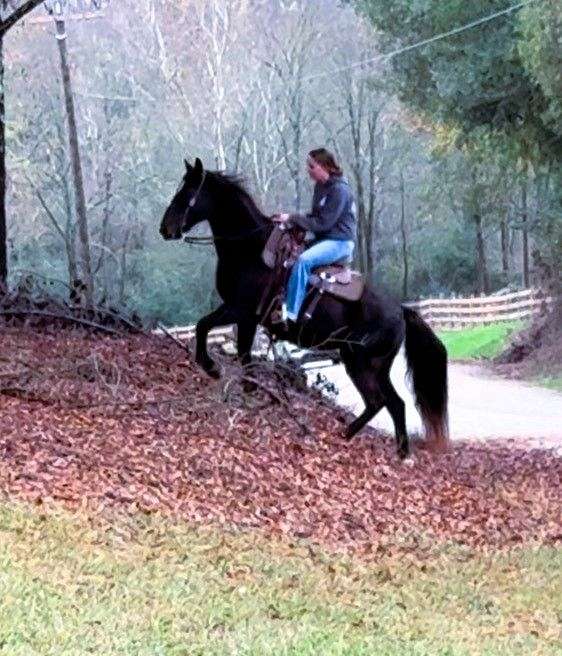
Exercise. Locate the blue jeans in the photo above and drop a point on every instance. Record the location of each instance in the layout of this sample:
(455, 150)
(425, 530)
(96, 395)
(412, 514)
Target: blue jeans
(323, 252)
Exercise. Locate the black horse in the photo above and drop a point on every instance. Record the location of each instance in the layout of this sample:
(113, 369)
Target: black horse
(368, 333)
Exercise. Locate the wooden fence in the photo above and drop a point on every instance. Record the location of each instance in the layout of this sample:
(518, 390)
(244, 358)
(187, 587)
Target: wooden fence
(216, 336)
(459, 313)
(225, 337)
(440, 313)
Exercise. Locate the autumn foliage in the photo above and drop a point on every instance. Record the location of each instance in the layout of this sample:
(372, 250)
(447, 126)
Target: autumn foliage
(127, 424)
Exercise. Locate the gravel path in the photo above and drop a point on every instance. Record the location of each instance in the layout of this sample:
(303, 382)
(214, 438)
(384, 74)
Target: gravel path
(481, 405)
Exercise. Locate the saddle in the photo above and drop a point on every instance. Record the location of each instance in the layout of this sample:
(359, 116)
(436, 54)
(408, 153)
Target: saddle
(282, 250)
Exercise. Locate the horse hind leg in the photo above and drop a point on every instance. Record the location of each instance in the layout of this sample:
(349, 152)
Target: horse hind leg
(397, 409)
(365, 380)
(371, 409)
(371, 377)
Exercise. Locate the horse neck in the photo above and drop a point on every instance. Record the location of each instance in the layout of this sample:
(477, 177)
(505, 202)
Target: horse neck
(240, 232)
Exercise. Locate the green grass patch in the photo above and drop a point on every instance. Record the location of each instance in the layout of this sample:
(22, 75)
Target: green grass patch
(480, 341)
(147, 586)
(552, 382)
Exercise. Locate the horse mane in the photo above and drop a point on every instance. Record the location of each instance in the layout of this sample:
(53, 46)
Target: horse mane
(234, 185)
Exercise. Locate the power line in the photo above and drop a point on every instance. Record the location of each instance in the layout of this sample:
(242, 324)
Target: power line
(419, 44)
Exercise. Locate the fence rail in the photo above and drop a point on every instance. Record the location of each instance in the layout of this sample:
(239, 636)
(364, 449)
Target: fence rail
(460, 312)
(216, 336)
(452, 313)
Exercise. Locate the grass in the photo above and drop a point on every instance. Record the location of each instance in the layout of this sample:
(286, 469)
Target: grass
(552, 382)
(480, 341)
(147, 586)
(486, 342)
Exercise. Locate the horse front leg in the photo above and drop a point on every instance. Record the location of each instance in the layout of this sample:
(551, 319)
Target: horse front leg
(246, 333)
(222, 316)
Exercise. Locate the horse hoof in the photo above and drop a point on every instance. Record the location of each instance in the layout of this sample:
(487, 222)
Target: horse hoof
(437, 447)
(352, 430)
(249, 388)
(408, 461)
(212, 371)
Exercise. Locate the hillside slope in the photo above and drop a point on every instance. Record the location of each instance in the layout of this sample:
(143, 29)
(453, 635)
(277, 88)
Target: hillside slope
(128, 424)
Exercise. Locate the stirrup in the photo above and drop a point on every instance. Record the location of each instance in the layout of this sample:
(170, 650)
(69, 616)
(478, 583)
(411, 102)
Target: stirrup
(276, 316)
(279, 319)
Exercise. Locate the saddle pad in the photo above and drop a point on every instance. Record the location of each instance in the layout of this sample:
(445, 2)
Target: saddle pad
(342, 274)
(283, 246)
(349, 291)
(269, 255)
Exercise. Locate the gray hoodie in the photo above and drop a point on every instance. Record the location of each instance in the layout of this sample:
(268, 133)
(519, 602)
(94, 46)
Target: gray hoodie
(333, 211)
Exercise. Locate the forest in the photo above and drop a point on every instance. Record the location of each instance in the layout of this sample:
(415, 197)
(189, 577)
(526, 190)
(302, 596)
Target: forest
(452, 148)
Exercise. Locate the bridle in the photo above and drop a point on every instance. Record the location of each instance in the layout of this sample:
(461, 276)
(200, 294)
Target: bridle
(211, 239)
(192, 202)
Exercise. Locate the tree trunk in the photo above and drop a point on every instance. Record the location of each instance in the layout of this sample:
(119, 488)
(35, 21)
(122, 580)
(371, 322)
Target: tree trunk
(363, 250)
(80, 198)
(483, 275)
(505, 244)
(525, 232)
(297, 138)
(372, 218)
(3, 232)
(355, 109)
(102, 267)
(70, 232)
(404, 237)
(123, 270)
(365, 224)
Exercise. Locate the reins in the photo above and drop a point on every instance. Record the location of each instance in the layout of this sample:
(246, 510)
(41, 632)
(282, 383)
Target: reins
(212, 239)
(192, 201)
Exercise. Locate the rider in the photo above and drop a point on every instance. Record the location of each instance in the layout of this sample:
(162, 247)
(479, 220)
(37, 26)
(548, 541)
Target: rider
(332, 219)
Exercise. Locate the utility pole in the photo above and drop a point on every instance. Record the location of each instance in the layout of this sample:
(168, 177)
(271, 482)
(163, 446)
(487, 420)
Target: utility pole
(61, 10)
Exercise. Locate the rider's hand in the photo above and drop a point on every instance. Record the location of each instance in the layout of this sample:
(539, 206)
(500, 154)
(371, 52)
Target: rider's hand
(280, 218)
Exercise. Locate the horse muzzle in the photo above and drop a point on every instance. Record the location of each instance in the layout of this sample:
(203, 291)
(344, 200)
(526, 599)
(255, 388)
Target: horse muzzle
(168, 231)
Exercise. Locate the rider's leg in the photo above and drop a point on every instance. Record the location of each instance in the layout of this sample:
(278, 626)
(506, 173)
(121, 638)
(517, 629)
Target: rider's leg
(323, 252)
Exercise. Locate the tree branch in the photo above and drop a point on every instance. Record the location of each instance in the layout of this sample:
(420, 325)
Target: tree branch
(18, 13)
(63, 317)
(48, 212)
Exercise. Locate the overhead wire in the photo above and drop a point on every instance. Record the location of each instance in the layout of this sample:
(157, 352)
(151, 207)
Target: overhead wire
(420, 44)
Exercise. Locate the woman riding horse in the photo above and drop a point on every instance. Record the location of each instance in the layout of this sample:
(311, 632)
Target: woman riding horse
(368, 333)
(332, 220)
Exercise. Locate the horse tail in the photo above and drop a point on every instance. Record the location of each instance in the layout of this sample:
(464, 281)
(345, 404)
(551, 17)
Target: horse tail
(426, 357)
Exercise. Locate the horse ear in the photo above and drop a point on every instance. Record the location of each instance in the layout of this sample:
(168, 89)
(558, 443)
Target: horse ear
(198, 167)
(187, 165)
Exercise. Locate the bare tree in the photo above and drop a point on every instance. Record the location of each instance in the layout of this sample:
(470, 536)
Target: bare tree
(363, 107)
(290, 58)
(525, 226)
(11, 11)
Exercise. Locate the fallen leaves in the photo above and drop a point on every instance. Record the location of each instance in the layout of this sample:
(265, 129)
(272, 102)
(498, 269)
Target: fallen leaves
(159, 437)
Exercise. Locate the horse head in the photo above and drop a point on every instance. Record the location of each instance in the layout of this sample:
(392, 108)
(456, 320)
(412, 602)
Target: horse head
(189, 206)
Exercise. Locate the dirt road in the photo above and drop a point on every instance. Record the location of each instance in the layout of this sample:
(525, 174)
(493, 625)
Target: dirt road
(481, 405)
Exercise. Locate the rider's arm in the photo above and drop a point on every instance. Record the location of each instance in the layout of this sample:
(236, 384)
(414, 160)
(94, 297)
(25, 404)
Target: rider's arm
(323, 216)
